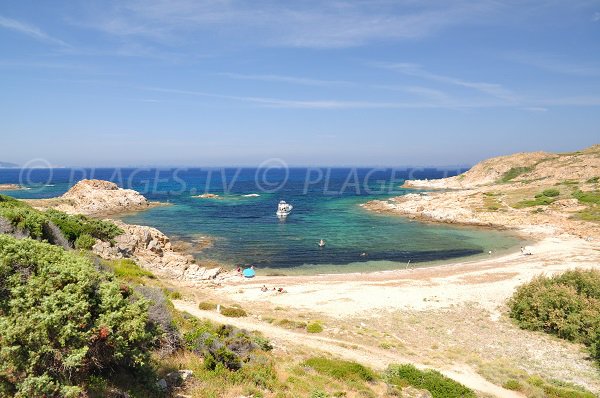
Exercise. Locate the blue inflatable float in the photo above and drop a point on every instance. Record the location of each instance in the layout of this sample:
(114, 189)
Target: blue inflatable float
(249, 273)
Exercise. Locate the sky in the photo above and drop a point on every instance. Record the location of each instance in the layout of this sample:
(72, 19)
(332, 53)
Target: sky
(362, 83)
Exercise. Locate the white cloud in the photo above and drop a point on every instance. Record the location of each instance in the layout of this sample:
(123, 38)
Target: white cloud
(29, 30)
(288, 79)
(492, 89)
(536, 109)
(312, 24)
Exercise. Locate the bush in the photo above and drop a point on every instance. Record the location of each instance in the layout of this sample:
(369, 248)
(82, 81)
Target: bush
(84, 242)
(343, 370)
(566, 305)
(437, 384)
(314, 327)
(35, 222)
(128, 270)
(61, 320)
(539, 201)
(512, 384)
(223, 345)
(514, 173)
(587, 197)
(551, 193)
(207, 306)
(233, 312)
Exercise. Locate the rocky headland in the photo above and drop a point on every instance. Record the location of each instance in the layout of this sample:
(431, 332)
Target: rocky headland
(96, 198)
(147, 246)
(525, 192)
(10, 187)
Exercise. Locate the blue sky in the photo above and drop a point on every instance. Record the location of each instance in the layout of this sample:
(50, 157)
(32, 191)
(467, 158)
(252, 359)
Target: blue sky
(207, 83)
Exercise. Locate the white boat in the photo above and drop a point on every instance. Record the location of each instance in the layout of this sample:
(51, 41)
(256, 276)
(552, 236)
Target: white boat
(283, 209)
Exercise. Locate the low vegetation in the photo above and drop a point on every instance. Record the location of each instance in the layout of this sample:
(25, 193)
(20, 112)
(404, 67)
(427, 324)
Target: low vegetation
(62, 321)
(515, 172)
(438, 385)
(128, 270)
(314, 327)
(590, 197)
(39, 225)
(339, 369)
(567, 305)
(544, 198)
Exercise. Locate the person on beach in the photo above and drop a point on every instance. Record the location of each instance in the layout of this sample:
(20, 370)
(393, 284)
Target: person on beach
(264, 288)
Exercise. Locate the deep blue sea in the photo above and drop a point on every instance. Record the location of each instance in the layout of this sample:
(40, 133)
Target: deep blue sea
(245, 230)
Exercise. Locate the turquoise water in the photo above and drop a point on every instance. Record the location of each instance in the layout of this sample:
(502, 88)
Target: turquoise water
(246, 230)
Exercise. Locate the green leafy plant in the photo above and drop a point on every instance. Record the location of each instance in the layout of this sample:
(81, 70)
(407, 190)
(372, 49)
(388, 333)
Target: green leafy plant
(314, 327)
(437, 384)
(551, 193)
(233, 312)
(566, 305)
(84, 242)
(340, 369)
(61, 320)
(514, 172)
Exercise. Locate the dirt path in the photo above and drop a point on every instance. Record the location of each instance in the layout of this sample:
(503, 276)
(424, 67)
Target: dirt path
(376, 358)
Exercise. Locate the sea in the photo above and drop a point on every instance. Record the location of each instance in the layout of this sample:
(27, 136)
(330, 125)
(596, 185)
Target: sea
(238, 227)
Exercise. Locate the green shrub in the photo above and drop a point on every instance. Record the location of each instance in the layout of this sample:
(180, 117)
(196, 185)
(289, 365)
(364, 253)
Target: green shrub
(566, 305)
(263, 343)
(84, 242)
(290, 324)
(61, 320)
(587, 197)
(224, 345)
(207, 306)
(551, 193)
(314, 327)
(72, 226)
(512, 384)
(128, 270)
(233, 312)
(539, 201)
(437, 384)
(339, 369)
(514, 173)
(25, 217)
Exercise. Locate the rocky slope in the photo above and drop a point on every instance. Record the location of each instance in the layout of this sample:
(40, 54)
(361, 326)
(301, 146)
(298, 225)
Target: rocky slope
(10, 187)
(147, 246)
(501, 192)
(95, 197)
(152, 250)
(543, 167)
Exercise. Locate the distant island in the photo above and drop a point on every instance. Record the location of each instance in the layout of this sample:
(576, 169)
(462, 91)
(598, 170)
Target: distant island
(8, 165)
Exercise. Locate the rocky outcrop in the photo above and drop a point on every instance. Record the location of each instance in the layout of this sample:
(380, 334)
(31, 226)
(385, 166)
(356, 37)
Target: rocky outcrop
(540, 167)
(208, 196)
(103, 197)
(10, 187)
(152, 250)
(95, 198)
(488, 199)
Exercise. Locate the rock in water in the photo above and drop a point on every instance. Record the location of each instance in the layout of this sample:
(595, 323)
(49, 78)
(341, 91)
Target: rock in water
(101, 197)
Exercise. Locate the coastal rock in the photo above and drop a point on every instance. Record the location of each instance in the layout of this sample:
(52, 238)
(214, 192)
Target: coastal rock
(10, 187)
(103, 197)
(540, 167)
(208, 196)
(152, 250)
(95, 198)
